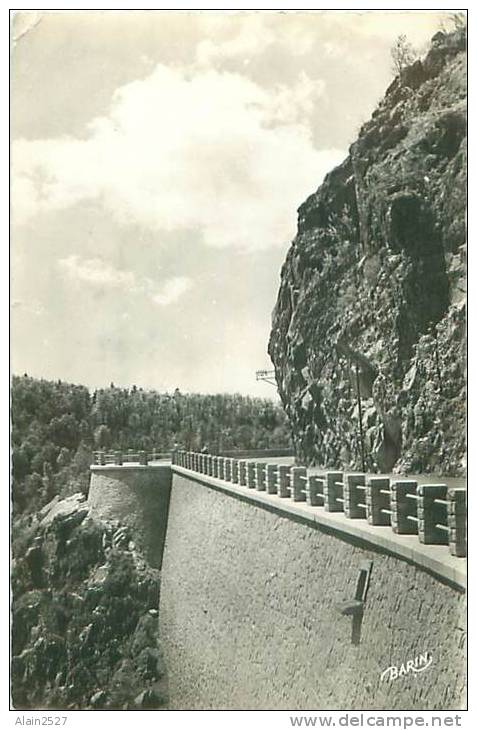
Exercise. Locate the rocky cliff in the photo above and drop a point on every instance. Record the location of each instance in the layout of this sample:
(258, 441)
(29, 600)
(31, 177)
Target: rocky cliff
(369, 328)
(84, 614)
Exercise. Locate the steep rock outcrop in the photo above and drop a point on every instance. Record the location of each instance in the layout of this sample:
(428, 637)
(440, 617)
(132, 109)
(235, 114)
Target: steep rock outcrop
(371, 306)
(84, 614)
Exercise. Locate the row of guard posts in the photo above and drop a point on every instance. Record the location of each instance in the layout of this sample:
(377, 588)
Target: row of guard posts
(129, 456)
(436, 513)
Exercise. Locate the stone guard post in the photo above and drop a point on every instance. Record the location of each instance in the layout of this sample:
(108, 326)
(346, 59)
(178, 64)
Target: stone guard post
(432, 514)
(456, 520)
(283, 480)
(354, 496)
(298, 483)
(271, 478)
(261, 476)
(333, 491)
(404, 507)
(242, 465)
(315, 490)
(251, 479)
(378, 501)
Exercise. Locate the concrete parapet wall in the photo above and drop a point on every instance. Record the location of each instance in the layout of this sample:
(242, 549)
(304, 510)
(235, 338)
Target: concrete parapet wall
(258, 612)
(137, 496)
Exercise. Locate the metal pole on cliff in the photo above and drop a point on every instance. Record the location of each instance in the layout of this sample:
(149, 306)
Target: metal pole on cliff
(361, 437)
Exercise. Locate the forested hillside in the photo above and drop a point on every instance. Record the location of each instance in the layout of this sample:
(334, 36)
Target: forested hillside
(57, 425)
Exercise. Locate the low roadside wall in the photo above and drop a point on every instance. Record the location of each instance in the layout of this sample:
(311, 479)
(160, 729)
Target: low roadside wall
(136, 496)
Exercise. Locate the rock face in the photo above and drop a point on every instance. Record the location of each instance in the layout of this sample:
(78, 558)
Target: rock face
(371, 308)
(84, 614)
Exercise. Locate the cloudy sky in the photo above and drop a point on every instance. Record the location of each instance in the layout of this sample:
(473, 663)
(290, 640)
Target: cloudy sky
(158, 159)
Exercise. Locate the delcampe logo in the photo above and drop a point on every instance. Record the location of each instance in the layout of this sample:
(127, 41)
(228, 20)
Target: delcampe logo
(416, 665)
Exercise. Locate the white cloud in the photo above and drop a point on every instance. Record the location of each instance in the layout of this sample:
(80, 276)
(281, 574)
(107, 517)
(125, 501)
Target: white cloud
(101, 274)
(172, 290)
(186, 149)
(250, 35)
(97, 272)
(290, 105)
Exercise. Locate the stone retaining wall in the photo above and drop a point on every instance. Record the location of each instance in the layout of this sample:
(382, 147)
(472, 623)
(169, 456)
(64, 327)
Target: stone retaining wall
(257, 612)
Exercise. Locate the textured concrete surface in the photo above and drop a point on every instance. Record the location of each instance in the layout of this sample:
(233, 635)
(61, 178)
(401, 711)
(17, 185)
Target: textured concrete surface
(249, 615)
(139, 498)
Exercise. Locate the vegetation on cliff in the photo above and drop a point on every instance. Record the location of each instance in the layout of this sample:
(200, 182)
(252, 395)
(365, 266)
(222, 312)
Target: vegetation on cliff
(369, 326)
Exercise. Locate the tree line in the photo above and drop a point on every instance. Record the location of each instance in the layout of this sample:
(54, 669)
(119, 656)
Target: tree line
(57, 425)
